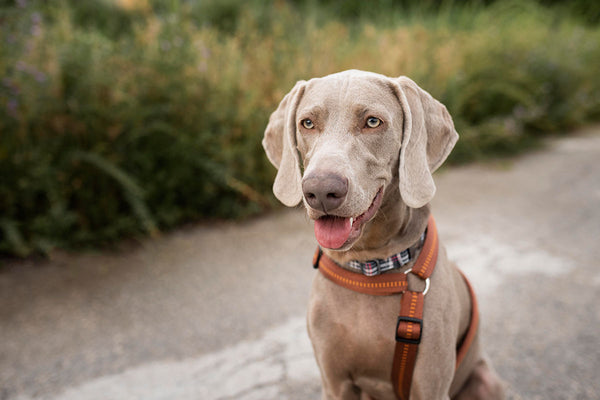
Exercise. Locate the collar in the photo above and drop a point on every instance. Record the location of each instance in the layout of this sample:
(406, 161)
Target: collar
(397, 261)
(383, 284)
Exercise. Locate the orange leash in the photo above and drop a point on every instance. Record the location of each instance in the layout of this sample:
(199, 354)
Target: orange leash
(409, 326)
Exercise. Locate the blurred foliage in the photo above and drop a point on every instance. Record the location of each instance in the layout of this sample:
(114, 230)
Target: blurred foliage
(127, 117)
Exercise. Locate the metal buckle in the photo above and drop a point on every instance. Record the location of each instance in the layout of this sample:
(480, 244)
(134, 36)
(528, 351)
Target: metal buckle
(427, 282)
(413, 320)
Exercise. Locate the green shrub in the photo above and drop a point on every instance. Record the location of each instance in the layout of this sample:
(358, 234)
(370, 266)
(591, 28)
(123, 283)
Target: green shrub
(128, 117)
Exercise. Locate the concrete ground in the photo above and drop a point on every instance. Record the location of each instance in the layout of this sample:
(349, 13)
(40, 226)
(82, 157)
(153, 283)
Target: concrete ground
(217, 312)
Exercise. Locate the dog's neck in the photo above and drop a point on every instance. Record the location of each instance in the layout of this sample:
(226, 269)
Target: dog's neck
(395, 228)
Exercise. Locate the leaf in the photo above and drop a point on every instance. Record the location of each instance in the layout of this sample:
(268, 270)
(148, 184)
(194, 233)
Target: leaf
(134, 194)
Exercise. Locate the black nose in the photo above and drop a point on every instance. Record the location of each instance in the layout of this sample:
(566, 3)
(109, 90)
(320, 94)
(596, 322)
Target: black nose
(325, 191)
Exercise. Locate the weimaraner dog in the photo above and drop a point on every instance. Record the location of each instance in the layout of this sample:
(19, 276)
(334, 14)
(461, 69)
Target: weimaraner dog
(359, 149)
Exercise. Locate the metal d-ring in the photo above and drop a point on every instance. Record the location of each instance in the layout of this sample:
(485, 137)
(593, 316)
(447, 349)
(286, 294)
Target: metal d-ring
(427, 282)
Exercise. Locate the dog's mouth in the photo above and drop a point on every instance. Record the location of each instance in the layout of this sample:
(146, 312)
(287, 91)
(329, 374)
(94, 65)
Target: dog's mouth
(334, 232)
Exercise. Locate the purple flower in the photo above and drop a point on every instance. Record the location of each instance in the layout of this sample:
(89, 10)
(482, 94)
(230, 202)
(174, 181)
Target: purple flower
(39, 76)
(10, 85)
(21, 66)
(36, 30)
(36, 18)
(12, 107)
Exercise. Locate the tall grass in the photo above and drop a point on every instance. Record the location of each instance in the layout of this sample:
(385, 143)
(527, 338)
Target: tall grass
(128, 117)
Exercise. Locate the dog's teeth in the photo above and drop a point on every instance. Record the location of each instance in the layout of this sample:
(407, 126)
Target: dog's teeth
(351, 221)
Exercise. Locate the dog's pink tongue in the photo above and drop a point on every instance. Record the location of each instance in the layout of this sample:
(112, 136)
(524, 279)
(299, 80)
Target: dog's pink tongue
(332, 232)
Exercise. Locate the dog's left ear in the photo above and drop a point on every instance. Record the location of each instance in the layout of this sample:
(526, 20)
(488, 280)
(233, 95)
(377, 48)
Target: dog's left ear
(428, 137)
(281, 147)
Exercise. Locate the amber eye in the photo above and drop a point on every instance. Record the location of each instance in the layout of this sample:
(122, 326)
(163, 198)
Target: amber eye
(307, 123)
(373, 122)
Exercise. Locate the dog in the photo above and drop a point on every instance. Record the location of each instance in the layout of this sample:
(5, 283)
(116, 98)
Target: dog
(358, 149)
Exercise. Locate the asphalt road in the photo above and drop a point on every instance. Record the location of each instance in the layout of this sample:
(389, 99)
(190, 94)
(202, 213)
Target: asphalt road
(217, 312)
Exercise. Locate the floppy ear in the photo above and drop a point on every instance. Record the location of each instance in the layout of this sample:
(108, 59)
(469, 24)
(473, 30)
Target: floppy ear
(428, 137)
(280, 145)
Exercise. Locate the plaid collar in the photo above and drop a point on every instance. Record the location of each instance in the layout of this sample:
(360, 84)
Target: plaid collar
(379, 266)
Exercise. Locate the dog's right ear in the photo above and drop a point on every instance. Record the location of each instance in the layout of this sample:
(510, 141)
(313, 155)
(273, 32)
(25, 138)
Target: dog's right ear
(280, 145)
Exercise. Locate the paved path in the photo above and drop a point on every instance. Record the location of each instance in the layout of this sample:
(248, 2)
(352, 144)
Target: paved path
(217, 312)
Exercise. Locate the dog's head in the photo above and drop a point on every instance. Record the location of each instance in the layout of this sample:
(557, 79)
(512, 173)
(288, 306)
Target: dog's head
(340, 141)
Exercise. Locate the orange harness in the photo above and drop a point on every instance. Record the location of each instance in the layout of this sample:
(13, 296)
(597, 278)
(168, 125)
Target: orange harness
(409, 327)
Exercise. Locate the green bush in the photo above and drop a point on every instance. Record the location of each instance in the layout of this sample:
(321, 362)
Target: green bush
(128, 117)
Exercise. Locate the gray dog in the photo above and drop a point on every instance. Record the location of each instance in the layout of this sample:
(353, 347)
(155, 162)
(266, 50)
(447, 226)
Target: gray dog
(359, 149)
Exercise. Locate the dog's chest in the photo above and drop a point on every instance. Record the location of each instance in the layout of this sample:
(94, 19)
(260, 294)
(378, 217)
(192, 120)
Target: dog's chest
(352, 330)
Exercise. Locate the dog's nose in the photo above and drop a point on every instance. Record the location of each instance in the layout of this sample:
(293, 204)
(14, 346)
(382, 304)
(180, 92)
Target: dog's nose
(326, 191)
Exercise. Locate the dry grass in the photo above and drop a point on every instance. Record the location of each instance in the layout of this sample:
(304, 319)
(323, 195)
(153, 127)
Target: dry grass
(123, 119)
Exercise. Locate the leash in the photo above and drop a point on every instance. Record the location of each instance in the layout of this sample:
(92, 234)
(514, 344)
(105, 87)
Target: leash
(409, 326)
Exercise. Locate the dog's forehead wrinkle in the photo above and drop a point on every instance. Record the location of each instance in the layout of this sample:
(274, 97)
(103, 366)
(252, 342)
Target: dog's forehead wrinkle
(372, 109)
(313, 110)
(341, 89)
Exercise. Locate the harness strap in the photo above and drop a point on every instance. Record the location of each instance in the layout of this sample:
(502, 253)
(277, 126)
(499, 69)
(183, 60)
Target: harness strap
(408, 336)
(467, 340)
(409, 327)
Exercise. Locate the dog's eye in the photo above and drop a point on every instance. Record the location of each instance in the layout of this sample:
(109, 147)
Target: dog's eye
(307, 123)
(373, 122)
